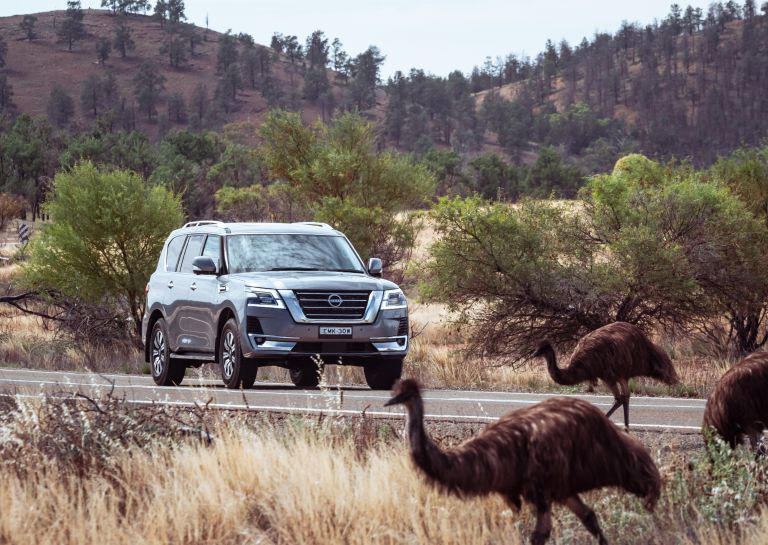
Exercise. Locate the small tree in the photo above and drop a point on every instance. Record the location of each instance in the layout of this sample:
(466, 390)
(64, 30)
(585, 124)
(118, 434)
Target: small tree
(227, 54)
(123, 41)
(103, 47)
(71, 29)
(108, 228)
(177, 108)
(6, 94)
(175, 48)
(61, 107)
(3, 51)
(90, 96)
(160, 12)
(27, 25)
(148, 83)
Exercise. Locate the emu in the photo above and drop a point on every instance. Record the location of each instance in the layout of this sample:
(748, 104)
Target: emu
(613, 353)
(548, 453)
(738, 405)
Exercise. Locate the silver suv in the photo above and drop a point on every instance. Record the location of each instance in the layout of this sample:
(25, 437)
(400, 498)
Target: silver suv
(295, 295)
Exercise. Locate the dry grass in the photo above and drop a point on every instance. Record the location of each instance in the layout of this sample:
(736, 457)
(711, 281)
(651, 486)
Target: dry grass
(307, 481)
(437, 356)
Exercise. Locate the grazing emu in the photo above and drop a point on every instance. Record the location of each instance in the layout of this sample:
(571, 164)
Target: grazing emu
(738, 405)
(613, 353)
(550, 452)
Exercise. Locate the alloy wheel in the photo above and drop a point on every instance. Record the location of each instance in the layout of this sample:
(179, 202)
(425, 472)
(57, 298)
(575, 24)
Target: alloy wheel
(158, 352)
(228, 354)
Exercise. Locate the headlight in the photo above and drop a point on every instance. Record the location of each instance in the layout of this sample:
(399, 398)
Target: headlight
(394, 299)
(262, 297)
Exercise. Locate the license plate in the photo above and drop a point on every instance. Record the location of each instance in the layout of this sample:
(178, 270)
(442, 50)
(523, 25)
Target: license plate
(336, 332)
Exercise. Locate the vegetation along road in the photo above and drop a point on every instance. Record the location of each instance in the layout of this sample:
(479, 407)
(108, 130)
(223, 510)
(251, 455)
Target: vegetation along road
(673, 414)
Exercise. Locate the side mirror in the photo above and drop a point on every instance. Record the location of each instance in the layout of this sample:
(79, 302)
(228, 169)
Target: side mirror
(374, 266)
(203, 264)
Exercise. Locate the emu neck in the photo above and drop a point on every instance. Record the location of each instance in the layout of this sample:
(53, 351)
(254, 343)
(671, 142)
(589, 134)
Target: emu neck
(554, 371)
(425, 453)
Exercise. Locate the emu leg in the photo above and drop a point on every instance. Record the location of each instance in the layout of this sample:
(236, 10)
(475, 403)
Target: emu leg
(617, 396)
(543, 524)
(618, 403)
(624, 387)
(626, 412)
(587, 517)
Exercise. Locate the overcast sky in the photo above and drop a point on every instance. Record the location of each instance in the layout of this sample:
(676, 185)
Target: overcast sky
(436, 35)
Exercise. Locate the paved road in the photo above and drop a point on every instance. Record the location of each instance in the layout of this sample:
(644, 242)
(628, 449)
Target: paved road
(675, 414)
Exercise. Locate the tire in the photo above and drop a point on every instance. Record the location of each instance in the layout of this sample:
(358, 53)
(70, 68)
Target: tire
(305, 375)
(382, 374)
(236, 372)
(166, 371)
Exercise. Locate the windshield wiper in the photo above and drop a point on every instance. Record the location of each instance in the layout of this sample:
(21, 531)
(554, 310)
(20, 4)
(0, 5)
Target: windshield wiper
(293, 269)
(346, 270)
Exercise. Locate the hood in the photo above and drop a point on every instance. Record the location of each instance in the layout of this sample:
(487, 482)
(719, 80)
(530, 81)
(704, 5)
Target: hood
(312, 280)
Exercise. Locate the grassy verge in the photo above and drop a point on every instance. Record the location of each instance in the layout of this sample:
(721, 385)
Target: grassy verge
(102, 472)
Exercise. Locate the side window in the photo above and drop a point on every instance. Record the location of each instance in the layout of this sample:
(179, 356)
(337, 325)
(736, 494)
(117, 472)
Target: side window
(212, 247)
(173, 252)
(194, 245)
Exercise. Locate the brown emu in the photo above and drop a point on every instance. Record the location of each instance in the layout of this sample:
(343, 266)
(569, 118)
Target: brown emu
(738, 405)
(550, 452)
(613, 353)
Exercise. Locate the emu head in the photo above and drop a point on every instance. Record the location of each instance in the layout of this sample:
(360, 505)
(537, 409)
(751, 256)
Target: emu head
(404, 392)
(542, 348)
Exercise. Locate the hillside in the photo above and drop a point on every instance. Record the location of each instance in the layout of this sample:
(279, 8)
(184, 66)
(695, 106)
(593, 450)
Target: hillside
(35, 67)
(691, 85)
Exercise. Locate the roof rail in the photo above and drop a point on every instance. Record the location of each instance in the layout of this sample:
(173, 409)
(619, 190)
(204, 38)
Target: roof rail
(313, 224)
(202, 222)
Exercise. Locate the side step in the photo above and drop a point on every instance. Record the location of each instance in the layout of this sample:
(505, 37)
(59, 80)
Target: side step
(196, 356)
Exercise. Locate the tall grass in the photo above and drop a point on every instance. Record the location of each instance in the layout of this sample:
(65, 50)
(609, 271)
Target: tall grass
(302, 480)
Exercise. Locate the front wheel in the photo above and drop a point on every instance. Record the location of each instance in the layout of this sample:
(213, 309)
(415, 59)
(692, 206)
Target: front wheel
(165, 370)
(235, 371)
(382, 374)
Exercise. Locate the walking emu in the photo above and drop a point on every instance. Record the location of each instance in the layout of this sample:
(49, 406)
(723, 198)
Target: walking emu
(738, 405)
(550, 452)
(613, 353)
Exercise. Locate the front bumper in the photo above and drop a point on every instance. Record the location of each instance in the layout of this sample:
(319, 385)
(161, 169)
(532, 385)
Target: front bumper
(272, 334)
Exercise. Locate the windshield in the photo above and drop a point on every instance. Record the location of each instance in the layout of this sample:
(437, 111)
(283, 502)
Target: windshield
(258, 253)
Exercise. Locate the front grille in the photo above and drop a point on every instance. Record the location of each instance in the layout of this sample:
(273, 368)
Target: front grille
(253, 325)
(333, 347)
(403, 328)
(317, 304)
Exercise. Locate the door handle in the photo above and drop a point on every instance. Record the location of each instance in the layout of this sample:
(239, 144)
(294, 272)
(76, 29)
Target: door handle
(170, 284)
(222, 288)
(193, 287)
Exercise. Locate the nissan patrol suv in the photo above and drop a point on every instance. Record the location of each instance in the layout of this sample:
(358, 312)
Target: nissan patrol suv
(294, 295)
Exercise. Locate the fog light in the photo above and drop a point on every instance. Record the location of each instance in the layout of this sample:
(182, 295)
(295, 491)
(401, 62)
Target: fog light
(260, 340)
(401, 342)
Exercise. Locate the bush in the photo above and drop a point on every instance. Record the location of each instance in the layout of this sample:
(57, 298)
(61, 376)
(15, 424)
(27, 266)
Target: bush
(108, 229)
(11, 206)
(669, 249)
